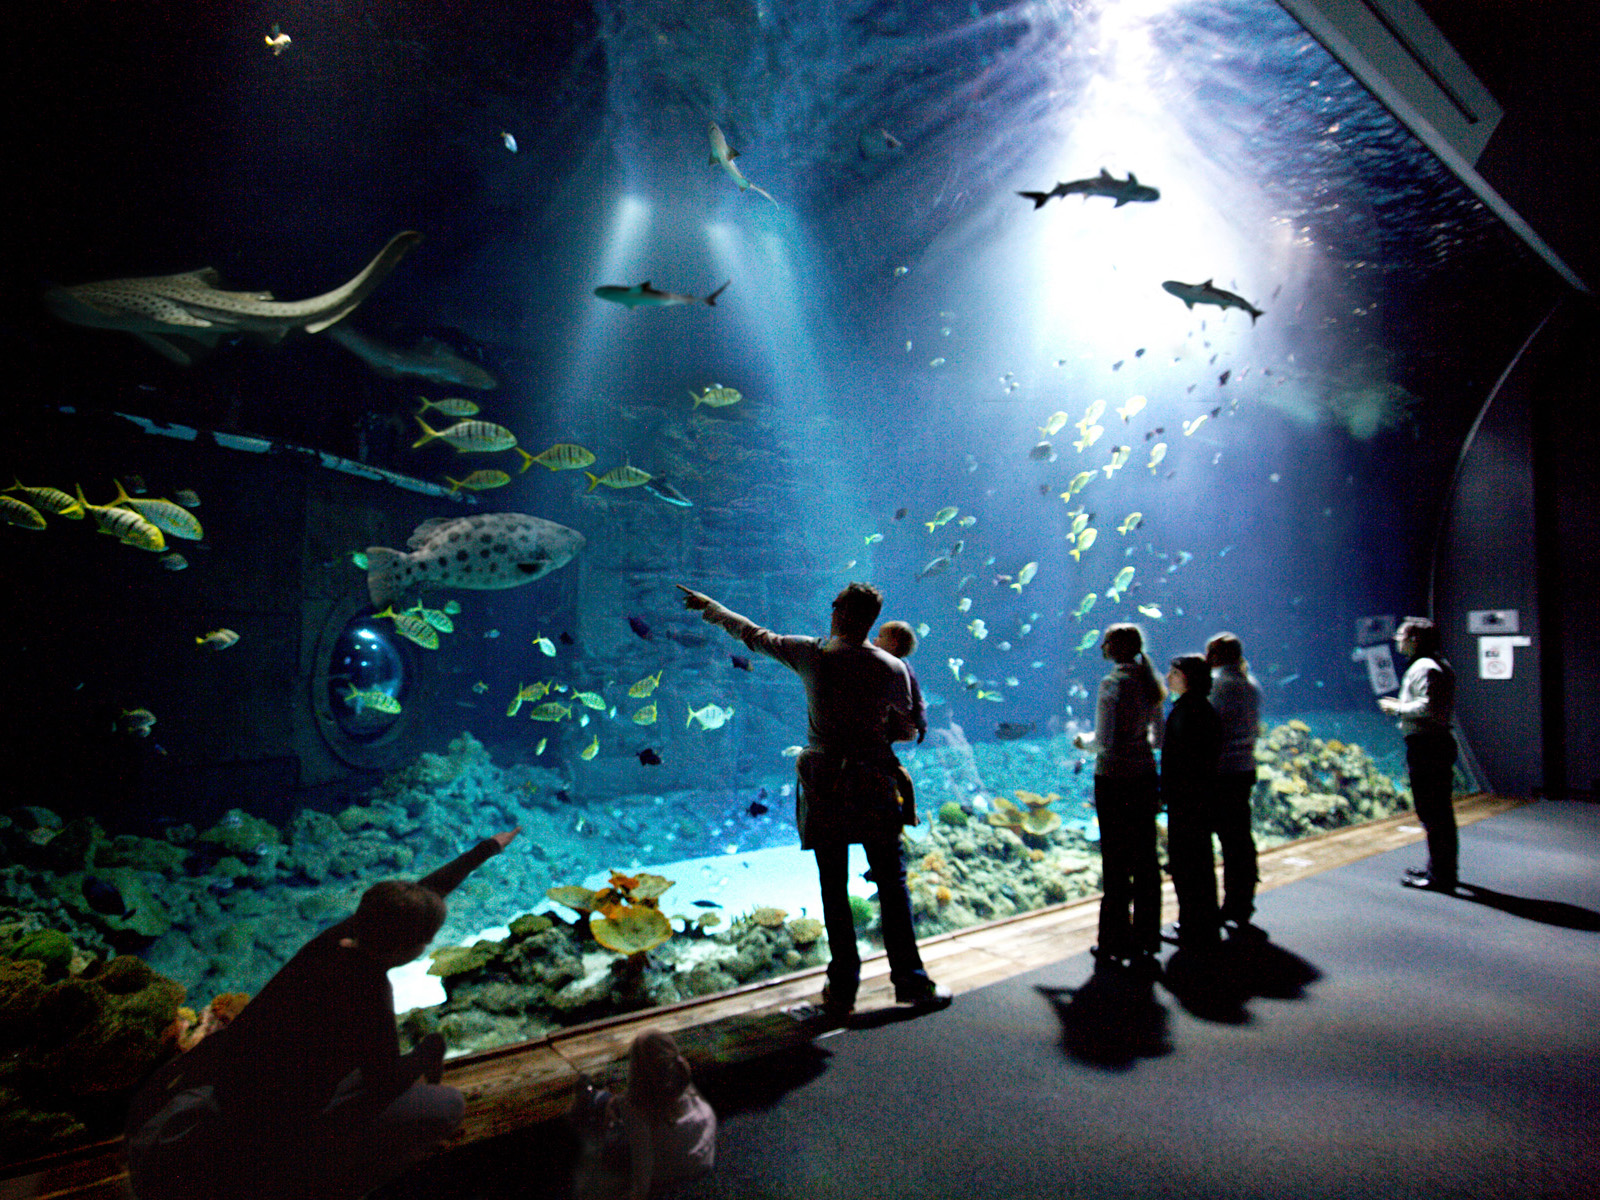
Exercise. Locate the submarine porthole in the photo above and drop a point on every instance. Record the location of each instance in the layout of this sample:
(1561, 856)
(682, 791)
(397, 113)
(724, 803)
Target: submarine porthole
(368, 678)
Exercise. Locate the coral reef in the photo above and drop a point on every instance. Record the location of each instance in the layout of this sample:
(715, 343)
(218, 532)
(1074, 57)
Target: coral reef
(1307, 784)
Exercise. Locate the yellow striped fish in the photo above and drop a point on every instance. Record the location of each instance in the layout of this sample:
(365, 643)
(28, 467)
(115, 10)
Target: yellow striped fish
(591, 749)
(450, 406)
(163, 514)
(49, 499)
(413, 628)
(124, 524)
(646, 715)
(479, 481)
(563, 456)
(645, 686)
(469, 437)
(374, 699)
(23, 516)
(619, 477)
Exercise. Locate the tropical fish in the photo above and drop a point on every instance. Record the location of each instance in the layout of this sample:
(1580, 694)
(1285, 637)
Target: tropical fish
(546, 646)
(22, 515)
(649, 758)
(589, 751)
(163, 514)
(429, 359)
(217, 639)
(190, 306)
(1204, 293)
(1042, 452)
(942, 517)
(1130, 522)
(935, 566)
(1080, 522)
(438, 618)
(450, 406)
(590, 700)
(1190, 426)
(508, 140)
(641, 630)
(873, 538)
(1157, 453)
(359, 558)
(532, 691)
(922, 629)
(1119, 456)
(563, 456)
(1091, 415)
(1088, 640)
(373, 698)
(484, 552)
(49, 499)
(645, 686)
(540, 745)
(1153, 611)
(716, 396)
(479, 481)
(1184, 557)
(1132, 408)
(277, 40)
(642, 295)
(722, 155)
(551, 711)
(123, 524)
(663, 490)
(479, 688)
(1025, 576)
(985, 694)
(1010, 731)
(173, 562)
(137, 721)
(964, 604)
(1123, 191)
(1085, 540)
(792, 751)
(1120, 584)
(1076, 484)
(712, 716)
(1090, 436)
(955, 665)
(453, 607)
(978, 629)
(412, 627)
(186, 497)
(1084, 606)
(739, 661)
(968, 521)
(468, 437)
(646, 715)
(618, 477)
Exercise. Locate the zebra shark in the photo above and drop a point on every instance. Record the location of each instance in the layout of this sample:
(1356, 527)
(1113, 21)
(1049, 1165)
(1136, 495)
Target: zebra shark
(190, 306)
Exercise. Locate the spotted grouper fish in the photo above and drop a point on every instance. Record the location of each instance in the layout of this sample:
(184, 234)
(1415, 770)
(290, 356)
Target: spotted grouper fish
(486, 552)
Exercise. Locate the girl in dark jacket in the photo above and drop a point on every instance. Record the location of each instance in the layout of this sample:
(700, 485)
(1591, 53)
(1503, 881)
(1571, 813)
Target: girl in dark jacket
(1189, 752)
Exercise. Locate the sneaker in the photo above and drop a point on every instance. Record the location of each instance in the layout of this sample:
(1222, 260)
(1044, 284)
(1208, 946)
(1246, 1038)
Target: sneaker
(1421, 879)
(923, 993)
(1244, 931)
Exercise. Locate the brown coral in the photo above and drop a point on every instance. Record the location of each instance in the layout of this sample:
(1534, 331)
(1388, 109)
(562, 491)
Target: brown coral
(805, 930)
(772, 918)
(632, 929)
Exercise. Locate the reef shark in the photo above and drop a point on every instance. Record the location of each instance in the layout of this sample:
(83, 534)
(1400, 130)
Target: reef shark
(429, 359)
(159, 308)
(1123, 191)
(642, 295)
(1204, 293)
(722, 155)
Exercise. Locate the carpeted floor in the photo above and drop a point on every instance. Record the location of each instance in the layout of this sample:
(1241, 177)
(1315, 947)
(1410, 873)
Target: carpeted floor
(1385, 1043)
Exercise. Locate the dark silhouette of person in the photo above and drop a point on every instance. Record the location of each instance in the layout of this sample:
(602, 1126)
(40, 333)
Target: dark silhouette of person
(858, 702)
(305, 1095)
(1127, 728)
(1189, 750)
(1426, 708)
(1236, 696)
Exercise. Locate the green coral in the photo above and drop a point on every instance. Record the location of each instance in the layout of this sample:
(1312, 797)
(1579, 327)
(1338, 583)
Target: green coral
(861, 910)
(458, 960)
(49, 948)
(952, 814)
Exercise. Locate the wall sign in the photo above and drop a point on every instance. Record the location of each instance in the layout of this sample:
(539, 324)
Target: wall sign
(1493, 621)
(1380, 667)
(1495, 656)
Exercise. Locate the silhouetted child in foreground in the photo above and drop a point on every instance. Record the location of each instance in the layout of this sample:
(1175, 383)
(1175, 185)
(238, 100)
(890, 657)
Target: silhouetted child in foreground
(899, 639)
(661, 1131)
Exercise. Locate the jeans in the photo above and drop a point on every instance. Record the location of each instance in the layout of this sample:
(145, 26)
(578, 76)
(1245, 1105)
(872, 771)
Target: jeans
(1430, 762)
(1130, 866)
(894, 910)
(1230, 820)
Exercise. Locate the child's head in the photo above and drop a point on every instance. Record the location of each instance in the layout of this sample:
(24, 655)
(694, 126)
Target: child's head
(397, 918)
(657, 1072)
(898, 638)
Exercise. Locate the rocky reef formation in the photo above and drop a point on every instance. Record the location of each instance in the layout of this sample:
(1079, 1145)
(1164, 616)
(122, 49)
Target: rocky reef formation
(77, 1034)
(1307, 785)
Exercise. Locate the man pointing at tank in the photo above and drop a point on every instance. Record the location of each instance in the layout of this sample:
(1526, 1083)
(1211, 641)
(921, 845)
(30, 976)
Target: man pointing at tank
(858, 701)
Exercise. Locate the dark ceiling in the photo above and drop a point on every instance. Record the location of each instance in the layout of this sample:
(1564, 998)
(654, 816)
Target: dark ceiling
(1538, 60)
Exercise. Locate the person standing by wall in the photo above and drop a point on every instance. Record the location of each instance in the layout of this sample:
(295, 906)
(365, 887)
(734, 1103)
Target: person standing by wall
(1127, 729)
(1237, 698)
(1426, 709)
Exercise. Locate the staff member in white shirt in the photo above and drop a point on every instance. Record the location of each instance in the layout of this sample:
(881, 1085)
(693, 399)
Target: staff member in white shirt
(1426, 706)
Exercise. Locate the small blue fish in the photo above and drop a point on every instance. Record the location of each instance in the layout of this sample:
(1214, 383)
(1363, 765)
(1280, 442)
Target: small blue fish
(511, 142)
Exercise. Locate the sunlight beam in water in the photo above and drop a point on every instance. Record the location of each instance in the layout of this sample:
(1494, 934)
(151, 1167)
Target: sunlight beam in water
(619, 248)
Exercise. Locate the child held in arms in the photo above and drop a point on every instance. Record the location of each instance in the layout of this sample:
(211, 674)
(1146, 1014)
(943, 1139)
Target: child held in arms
(899, 639)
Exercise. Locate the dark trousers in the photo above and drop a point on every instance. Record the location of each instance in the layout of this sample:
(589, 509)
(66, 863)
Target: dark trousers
(894, 913)
(1129, 863)
(1194, 871)
(1430, 762)
(1230, 821)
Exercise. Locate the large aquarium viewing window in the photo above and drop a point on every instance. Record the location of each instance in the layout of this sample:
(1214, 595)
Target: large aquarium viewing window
(1040, 317)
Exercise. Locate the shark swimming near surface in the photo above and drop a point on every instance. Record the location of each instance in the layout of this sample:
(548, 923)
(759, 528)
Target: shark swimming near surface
(429, 359)
(642, 295)
(161, 310)
(1204, 293)
(1123, 191)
